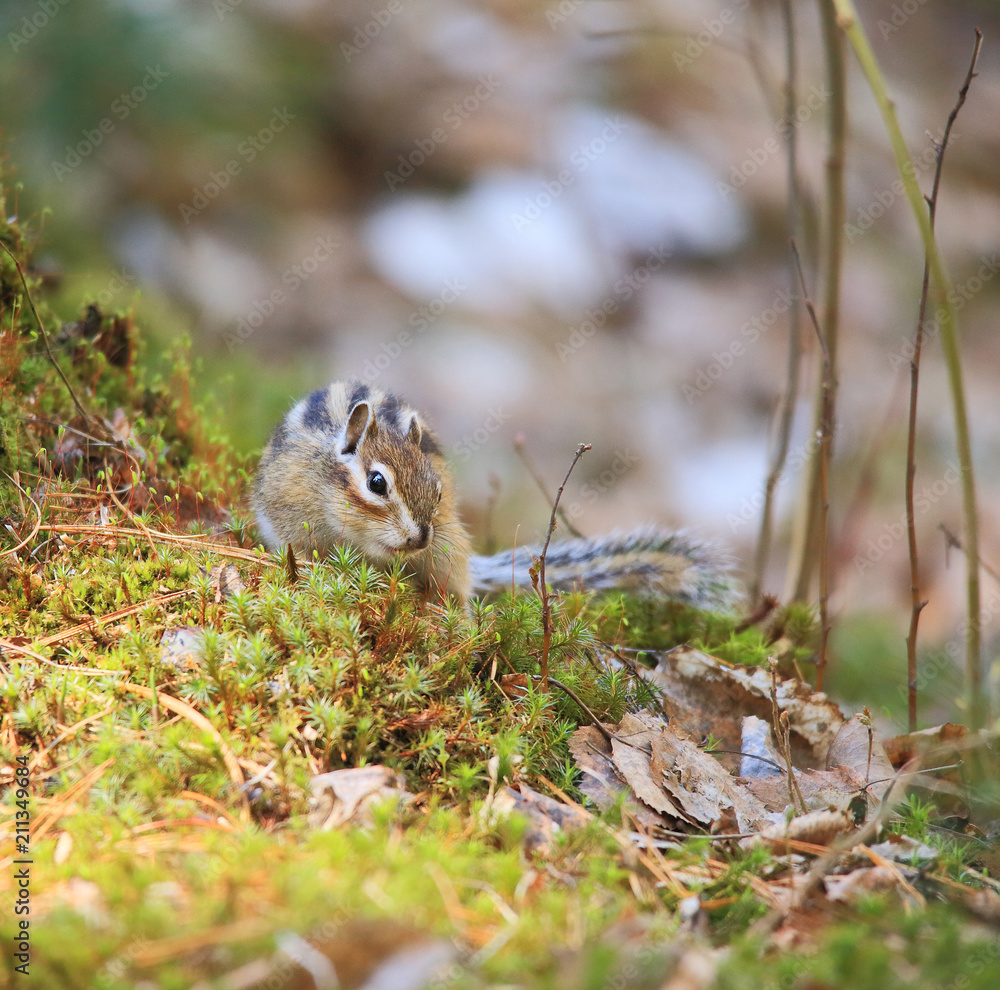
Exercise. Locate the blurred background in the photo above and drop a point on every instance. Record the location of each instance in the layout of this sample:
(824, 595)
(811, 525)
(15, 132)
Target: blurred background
(544, 223)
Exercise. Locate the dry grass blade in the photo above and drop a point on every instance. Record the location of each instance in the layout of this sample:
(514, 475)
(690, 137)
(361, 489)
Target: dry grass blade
(197, 719)
(192, 541)
(67, 733)
(55, 811)
(88, 671)
(35, 529)
(100, 621)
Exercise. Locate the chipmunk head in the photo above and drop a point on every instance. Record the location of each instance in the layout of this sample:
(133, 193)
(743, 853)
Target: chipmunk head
(392, 489)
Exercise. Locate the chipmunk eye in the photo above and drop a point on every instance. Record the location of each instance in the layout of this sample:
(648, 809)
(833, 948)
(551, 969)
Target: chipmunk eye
(377, 483)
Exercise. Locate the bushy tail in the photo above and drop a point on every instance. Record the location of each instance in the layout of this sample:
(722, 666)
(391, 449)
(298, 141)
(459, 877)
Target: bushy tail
(651, 562)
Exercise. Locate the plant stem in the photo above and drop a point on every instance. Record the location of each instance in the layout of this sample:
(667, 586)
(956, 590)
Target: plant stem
(808, 536)
(916, 605)
(945, 315)
(543, 590)
(825, 438)
(790, 397)
(45, 337)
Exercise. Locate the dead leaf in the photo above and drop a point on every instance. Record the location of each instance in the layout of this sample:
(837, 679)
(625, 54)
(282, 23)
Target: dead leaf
(942, 741)
(632, 751)
(855, 885)
(819, 828)
(343, 796)
(600, 781)
(700, 785)
(226, 581)
(514, 685)
(857, 748)
(706, 696)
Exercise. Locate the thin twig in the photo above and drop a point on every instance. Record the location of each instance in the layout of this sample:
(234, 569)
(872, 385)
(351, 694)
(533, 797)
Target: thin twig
(955, 542)
(521, 450)
(916, 605)
(789, 399)
(45, 336)
(847, 18)
(827, 388)
(543, 590)
(593, 718)
(808, 534)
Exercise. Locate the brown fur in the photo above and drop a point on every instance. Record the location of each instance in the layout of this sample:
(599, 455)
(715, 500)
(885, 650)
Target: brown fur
(311, 493)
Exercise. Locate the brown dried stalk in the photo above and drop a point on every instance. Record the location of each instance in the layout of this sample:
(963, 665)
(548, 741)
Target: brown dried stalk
(911, 438)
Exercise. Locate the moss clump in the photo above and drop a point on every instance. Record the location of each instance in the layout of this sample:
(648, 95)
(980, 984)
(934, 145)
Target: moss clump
(135, 677)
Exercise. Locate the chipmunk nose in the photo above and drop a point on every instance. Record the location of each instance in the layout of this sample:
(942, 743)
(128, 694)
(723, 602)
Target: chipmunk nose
(420, 541)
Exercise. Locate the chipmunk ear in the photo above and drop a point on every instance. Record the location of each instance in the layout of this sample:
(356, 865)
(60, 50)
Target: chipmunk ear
(360, 423)
(414, 433)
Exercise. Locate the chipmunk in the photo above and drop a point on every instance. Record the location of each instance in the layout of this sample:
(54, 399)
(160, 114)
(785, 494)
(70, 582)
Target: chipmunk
(353, 464)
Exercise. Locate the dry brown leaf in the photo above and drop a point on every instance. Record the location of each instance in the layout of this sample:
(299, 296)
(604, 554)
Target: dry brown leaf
(342, 796)
(600, 782)
(514, 685)
(702, 787)
(941, 741)
(707, 695)
(834, 790)
(857, 748)
(631, 747)
(592, 754)
(226, 581)
(819, 828)
(851, 887)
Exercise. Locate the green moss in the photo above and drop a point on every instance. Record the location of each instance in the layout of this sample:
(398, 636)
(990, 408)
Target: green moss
(343, 666)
